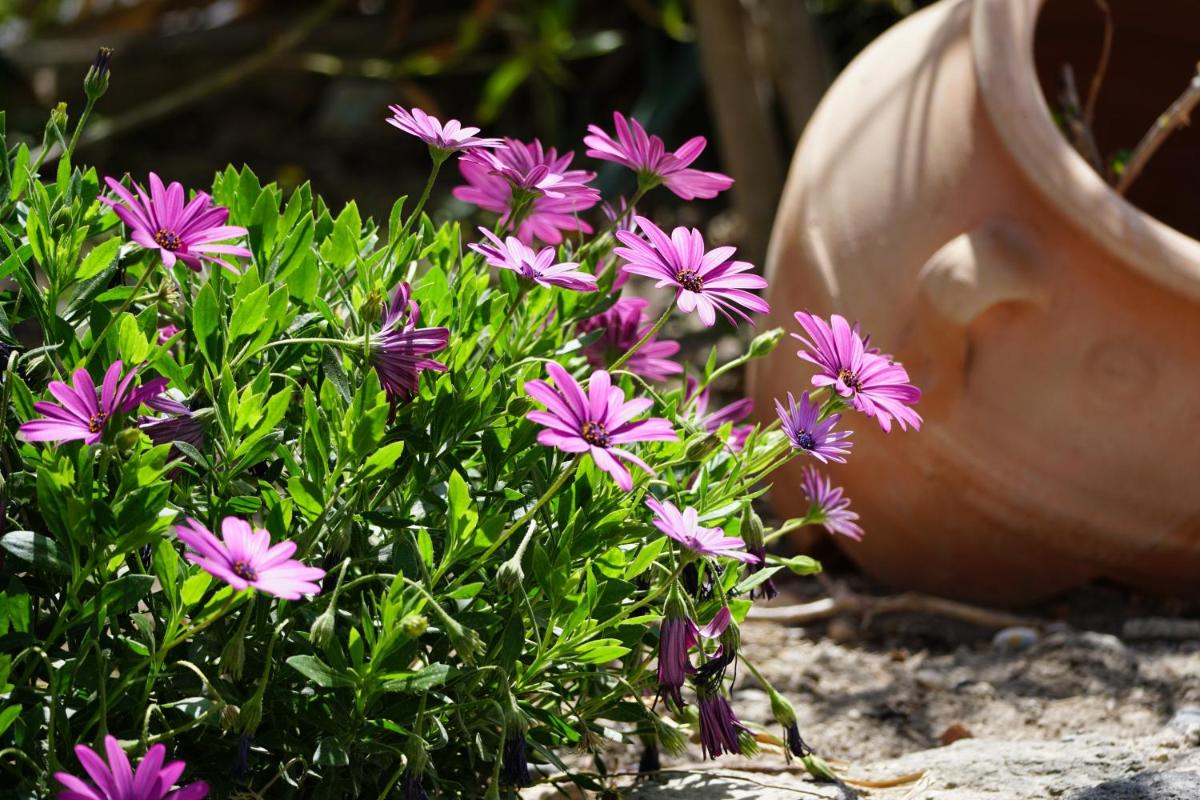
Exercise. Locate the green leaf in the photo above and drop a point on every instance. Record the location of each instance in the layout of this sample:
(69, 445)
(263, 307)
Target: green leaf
(131, 342)
(331, 753)
(99, 259)
(647, 553)
(249, 314)
(341, 247)
(382, 459)
(462, 517)
(14, 609)
(8, 716)
(194, 588)
(119, 595)
(206, 320)
(413, 682)
(755, 579)
(319, 672)
(38, 550)
(599, 651)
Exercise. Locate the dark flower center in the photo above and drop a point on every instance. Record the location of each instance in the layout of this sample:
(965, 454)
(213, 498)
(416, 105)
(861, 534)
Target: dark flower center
(850, 379)
(96, 422)
(689, 280)
(595, 434)
(806, 440)
(167, 240)
(244, 571)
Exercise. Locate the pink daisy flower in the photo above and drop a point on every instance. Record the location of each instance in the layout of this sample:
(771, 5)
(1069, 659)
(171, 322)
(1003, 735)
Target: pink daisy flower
(736, 411)
(595, 422)
(827, 506)
(399, 348)
(116, 780)
(448, 138)
(538, 267)
(648, 157)
(809, 433)
(707, 282)
(190, 233)
(548, 216)
(623, 326)
(872, 383)
(83, 415)
(246, 559)
(685, 528)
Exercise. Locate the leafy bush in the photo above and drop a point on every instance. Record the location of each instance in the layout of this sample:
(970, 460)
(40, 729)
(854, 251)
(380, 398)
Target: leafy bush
(474, 566)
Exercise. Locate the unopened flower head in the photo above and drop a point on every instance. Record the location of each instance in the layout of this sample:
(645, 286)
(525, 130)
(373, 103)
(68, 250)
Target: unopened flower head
(809, 433)
(191, 232)
(705, 281)
(869, 381)
(113, 778)
(677, 635)
(538, 267)
(827, 503)
(648, 157)
(244, 558)
(596, 422)
(623, 326)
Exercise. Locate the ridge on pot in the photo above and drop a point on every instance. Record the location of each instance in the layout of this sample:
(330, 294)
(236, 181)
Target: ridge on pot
(1052, 326)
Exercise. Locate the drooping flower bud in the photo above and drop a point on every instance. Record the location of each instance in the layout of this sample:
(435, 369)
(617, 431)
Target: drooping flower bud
(95, 82)
(677, 634)
(414, 625)
(514, 766)
(720, 728)
(230, 715)
(252, 713)
(765, 342)
(510, 576)
(322, 630)
(233, 657)
(785, 715)
(703, 446)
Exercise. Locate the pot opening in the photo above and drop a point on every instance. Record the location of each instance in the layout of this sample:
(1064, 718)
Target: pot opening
(1155, 50)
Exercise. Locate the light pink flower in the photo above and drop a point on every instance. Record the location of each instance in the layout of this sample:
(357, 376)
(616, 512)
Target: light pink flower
(648, 157)
(685, 528)
(448, 138)
(539, 267)
(246, 559)
(736, 411)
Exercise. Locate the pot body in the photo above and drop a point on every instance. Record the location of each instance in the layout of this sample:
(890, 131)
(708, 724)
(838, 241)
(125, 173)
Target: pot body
(1061, 390)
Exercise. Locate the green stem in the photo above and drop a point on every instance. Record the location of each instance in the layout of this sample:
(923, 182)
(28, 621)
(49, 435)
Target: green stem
(795, 524)
(433, 173)
(650, 334)
(137, 287)
(301, 340)
(83, 118)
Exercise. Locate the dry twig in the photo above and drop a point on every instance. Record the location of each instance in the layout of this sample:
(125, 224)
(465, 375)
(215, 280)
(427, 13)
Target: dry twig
(911, 602)
(1177, 115)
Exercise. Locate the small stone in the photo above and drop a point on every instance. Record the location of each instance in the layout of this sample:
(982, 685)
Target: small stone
(1186, 723)
(1015, 639)
(955, 732)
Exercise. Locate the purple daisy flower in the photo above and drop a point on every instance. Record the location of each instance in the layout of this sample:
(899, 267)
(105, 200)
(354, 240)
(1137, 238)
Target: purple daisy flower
(246, 559)
(736, 411)
(445, 138)
(648, 157)
(719, 726)
(808, 432)
(399, 347)
(190, 233)
(538, 267)
(827, 506)
(596, 421)
(707, 282)
(83, 415)
(624, 325)
(872, 383)
(547, 217)
(116, 780)
(684, 527)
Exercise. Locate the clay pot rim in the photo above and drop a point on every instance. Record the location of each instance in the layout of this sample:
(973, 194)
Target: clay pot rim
(1002, 39)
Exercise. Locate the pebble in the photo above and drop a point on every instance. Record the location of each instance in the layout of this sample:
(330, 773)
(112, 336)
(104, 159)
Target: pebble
(1014, 640)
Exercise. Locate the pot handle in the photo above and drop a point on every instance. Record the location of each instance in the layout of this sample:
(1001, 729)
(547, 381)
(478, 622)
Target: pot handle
(994, 263)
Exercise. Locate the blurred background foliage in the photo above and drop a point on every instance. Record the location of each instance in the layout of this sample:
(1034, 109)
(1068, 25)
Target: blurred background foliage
(299, 89)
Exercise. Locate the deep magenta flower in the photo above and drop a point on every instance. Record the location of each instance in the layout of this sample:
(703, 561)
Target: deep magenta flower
(811, 434)
(676, 636)
(538, 267)
(116, 780)
(648, 157)
(719, 726)
(399, 349)
(548, 216)
(738, 410)
(444, 138)
(827, 506)
(623, 325)
(83, 415)
(685, 528)
(707, 282)
(246, 559)
(166, 332)
(595, 422)
(190, 233)
(871, 382)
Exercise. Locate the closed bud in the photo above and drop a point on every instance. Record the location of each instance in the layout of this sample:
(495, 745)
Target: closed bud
(701, 447)
(818, 768)
(752, 529)
(230, 716)
(127, 438)
(782, 710)
(670, 736)
(321, 632)
(765, 342)
(233, 657)
(747, 744)
(95, 82)
(251, 714)
(518, 406)
(371, 307)
(510, 576)
(414, 625)
(57, 125)
(416, 755)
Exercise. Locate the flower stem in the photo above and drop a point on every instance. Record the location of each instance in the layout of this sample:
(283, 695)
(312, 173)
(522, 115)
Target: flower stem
(650, 334)
(137, 287)
(795, 524)
(301, 340)
(416, 214)
(83, 118)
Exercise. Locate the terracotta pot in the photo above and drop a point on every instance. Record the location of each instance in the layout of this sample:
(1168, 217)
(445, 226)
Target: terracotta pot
(1053, 327)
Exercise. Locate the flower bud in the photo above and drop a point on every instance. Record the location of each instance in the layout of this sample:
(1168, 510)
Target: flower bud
(670, 736)
(58, 120)
(510, 576)
(251, 713)
(127, 438)
(701, 447)
(752, 529)
(233, 657)
(765, 342)
(518, 406)
(818, 768)
(371, 307)
(230, 715)
(414, 625)
(95, 82)
(747, 744)
(321, 632)
(416, 755)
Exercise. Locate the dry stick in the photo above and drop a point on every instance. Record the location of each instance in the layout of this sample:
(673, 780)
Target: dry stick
(1081, 131)
(193, 93)
(911, 602)
(1176, 116)
(1089, 111)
